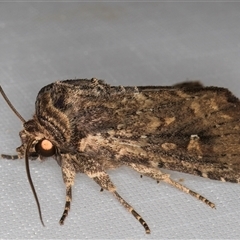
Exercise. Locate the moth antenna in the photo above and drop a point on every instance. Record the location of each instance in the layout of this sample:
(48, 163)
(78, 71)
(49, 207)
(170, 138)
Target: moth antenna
(30, 179)
(26, 154)
(11, 106)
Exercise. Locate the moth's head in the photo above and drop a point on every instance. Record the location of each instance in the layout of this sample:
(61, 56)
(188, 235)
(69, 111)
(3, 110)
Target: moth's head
(35, 143)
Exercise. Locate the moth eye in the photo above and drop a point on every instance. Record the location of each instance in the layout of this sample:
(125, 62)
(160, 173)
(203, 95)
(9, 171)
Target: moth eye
(45, 148)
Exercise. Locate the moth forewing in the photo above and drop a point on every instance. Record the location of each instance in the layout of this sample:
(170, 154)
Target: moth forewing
(88, 126)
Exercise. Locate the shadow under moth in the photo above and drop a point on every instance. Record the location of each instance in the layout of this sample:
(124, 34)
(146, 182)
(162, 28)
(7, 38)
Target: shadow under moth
(89, 127)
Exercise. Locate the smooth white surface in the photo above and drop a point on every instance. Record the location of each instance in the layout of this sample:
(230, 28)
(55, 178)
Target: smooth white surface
(125, 44)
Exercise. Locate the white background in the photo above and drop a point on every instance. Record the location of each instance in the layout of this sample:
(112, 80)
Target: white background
(125, 44)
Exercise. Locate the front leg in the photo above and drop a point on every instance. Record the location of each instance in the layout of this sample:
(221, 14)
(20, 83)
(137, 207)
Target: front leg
(32, 156)
(103, 179)
(9, 157)
(68, 173)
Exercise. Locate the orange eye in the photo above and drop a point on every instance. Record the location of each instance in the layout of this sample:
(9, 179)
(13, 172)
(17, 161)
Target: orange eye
(45, 148)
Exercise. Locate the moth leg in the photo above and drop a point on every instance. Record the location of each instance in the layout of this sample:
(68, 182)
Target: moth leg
(32, 156)
(103, 179)
(67, 204)
(68, 173)
(159, 176)
(189, 191)
(132, 211)
(9, 157)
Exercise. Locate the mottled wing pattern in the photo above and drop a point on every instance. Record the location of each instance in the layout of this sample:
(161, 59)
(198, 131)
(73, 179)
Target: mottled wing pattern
(204, 138)
(187, 127)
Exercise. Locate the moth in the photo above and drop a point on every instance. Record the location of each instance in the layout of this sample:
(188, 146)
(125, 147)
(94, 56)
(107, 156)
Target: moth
(89, 127)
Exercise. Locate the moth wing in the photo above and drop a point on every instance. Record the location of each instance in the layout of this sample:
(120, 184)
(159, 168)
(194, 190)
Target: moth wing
(200, 133)
(187, 127)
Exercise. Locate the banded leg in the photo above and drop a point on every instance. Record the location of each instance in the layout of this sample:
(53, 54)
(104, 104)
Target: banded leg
(189, 191)
(68, 173)
(32, 156)
(159, 176)
(103, 179)
(67, 204)
(9, 157)
(132, 211)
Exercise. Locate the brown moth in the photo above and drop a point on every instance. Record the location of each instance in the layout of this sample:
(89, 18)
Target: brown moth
(88, 126)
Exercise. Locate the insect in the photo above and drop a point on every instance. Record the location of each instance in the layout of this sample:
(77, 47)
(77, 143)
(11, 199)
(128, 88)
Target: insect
(89, 127)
